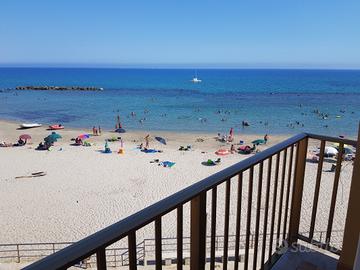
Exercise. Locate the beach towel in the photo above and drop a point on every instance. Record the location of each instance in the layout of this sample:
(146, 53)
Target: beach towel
(167, 164)
(149, 151)
(211, 162)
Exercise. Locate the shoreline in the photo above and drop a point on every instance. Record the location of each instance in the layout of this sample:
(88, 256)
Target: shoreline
(172, 133)
(15, 124)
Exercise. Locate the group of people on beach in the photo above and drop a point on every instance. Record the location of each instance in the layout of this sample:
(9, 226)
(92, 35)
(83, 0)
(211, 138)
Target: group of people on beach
(96, 131)
(20, 142)
(147, 143)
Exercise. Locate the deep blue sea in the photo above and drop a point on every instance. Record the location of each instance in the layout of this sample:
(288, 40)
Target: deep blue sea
(272, 101)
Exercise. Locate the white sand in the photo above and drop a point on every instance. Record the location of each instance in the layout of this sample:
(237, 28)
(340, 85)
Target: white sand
(85, 190)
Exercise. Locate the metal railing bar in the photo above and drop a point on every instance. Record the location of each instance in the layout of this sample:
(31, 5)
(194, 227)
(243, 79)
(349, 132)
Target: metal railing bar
(226, 224)
(213, 228)
(258, 205)
(238, 222)
(334, 193)
(179, 241)
(266, 211)
(158, 240)
(288, 188)
(248, 221)
(34, 244)
(317, 188)
(281, 196)
(272, 226)
(101, 259)
(132, 251)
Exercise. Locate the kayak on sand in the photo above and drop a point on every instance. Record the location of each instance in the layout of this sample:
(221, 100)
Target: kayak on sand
(30, 125)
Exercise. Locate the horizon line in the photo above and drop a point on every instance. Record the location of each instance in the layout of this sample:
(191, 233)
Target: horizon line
(174, 66)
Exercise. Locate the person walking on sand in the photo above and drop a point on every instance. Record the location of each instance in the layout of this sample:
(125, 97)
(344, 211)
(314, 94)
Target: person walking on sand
(94, 131)
(266, 138)
(232, 149)
(147, 137)
(121, 142)
(231, 135)
(99, 131)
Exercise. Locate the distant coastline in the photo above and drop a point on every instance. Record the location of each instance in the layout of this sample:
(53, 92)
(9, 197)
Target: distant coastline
(59, 88)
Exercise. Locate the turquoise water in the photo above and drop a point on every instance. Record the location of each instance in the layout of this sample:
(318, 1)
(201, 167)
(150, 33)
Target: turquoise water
(272, 101)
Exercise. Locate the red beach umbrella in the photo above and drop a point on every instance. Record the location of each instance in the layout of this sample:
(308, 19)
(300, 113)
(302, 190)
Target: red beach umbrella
(84, 136)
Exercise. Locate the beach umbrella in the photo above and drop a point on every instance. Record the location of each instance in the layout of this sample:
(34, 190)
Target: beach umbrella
(55, 135)
(330, 151)
(25, 137)
(84, 136)
(258, 141)
(50, 139)
(120, 130)
(348, 151)
(160, 140)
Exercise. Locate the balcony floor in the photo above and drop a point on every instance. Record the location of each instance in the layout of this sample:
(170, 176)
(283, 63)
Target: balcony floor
(305, 260)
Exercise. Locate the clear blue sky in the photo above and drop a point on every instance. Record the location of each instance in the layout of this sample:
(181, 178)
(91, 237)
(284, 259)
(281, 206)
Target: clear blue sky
(253, 33)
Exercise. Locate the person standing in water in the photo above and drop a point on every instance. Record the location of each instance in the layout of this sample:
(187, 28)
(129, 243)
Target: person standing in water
(99, 130)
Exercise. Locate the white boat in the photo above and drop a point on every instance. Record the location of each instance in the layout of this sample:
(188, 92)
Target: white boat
(30, 125)
(195, 79)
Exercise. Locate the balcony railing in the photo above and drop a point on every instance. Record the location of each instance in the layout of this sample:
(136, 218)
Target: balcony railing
(262, 195)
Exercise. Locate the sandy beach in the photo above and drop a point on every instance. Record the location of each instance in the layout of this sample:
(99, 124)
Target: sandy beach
(85, 190)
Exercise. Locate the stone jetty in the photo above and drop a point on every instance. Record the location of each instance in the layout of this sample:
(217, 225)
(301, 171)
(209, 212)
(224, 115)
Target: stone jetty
(59, 88)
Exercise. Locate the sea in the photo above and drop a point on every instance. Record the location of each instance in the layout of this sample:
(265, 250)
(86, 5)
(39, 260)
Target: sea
(272, 101)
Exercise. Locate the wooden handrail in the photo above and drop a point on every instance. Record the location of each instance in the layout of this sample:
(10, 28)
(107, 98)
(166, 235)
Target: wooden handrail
(97, 242)
(332, 139)
(111, 234)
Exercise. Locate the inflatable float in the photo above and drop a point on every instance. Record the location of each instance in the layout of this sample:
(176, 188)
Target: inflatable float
(56, 127)
(222, 152)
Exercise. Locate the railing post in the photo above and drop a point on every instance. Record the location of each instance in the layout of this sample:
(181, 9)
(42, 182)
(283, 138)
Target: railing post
(101, 259)
(18, 253)
(297, 191)
(352, 224)
(198, 232)
(132, 251)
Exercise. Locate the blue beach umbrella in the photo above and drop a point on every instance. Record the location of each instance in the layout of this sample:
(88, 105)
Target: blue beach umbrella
(160, 140)
(120, 130)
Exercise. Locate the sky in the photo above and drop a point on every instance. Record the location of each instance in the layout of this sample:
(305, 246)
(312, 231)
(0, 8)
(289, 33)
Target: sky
(169, 33)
